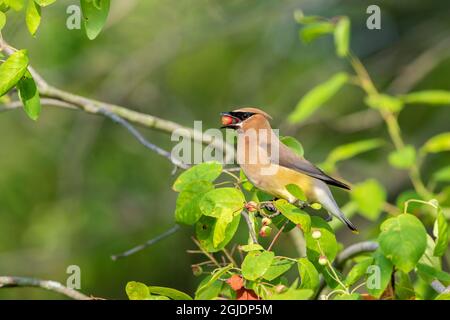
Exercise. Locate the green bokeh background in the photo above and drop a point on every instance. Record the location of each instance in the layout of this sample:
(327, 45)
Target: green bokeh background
(76, 188)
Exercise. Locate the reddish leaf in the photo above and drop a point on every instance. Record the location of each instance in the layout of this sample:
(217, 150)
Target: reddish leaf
(236, 282)
(246, 294)
(366, 296)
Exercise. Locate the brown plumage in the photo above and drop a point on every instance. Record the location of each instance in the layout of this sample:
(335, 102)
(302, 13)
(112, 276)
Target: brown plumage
(270, 165)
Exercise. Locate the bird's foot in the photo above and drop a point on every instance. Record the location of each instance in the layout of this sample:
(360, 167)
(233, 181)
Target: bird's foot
(328, 218)
(301, 204)
(270, 207)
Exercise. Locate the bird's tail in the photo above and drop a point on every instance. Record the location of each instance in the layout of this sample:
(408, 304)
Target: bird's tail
(347, 222)
(326, 199)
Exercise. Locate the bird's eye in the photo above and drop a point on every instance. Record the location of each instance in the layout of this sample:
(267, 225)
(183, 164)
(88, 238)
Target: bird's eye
(247, 115)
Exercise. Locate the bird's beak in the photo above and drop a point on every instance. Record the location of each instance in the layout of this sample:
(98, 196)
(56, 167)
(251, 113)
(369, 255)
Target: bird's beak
(229, 121)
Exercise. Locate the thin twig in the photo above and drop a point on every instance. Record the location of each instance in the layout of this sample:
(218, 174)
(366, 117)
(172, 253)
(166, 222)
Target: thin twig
(45, 101)
(202, 263)
(146, 120)
(417, 69)
(230, 257)
(141, 139)
(251, 230)
(146, 244)
(277, 235)
(8, 282)
(210, 256)
(194, 251)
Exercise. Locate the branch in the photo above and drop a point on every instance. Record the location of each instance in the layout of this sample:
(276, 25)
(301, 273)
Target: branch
(355, 249)
(251, 230)
(439, 287)
(45, 101)
(142, 140)
(146, 244)
(95, 107)
(420, 67)
(277, 235)
(11, 281)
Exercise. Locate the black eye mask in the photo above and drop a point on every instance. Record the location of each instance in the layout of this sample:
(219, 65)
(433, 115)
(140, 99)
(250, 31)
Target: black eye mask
(241, 115)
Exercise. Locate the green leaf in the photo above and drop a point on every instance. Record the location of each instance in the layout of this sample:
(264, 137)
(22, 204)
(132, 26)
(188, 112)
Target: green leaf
(207, 171)
(251, 247)
(293, 144)
(442, 175)
(223, 204)
(378, 280)
(370, 197)
(12, 70)
(350, 150)
(246, 184)
(352, 296)
(403, 240)
(313, 31)
(294, 214)
(403, 158)
(33, 16)
(137, 291)
(217, 273)
(278, 267)
(317, 97)
(188, 210)
(342, 37)
(280, 221)
(404, 289)
(327, 242)
(428, 257)
(209, 288)
(217, 201)
(16, 5)
(438, 143)
(443, 296)
(153, 297)
(220, 228)
(302, 19)
(405, 196)
(2, 20)
(441, 233)
(44, 3)
(94, 17)
(29, 95)
(308, 274)
(169, 292)
(296, 191)
(293, 294)
(384, 102)
(429, 273)
(358, 271)
(437, 97)
(205, 230)
(256, 264)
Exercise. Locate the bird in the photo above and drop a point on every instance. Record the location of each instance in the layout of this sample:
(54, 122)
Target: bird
(270, 165)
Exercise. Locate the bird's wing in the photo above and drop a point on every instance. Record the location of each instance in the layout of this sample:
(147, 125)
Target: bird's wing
(292, 161)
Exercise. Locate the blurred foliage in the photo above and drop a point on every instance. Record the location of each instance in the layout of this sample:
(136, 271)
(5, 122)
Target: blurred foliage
(74, 188)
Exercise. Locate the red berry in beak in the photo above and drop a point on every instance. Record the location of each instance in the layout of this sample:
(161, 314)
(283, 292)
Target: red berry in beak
(226, 120)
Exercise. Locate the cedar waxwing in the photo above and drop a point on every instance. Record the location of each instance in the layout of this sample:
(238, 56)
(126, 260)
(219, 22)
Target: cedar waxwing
(271, 166)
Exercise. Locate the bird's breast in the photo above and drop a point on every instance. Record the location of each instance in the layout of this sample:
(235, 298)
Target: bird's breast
(274, 179)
